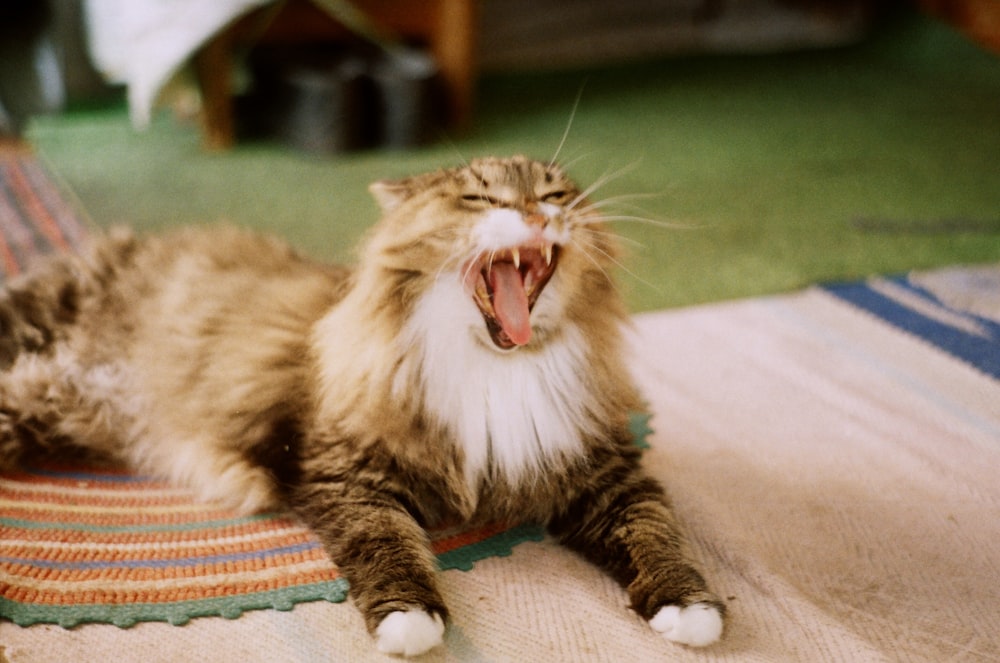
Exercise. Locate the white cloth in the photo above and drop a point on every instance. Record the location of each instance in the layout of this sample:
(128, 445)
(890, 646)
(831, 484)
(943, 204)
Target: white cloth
(143, 43)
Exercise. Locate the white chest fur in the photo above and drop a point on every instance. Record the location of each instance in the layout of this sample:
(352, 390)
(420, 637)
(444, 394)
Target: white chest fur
(511, 411)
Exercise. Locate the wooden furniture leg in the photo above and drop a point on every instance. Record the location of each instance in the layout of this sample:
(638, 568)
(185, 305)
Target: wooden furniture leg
(453, 45)
(448, 27)
(214, 69)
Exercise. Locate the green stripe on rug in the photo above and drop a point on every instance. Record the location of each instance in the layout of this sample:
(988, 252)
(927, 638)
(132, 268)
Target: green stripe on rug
(125, 615)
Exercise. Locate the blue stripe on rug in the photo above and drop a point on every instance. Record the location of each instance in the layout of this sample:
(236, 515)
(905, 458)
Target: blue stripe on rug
(85, 475)
(267, 555)
(981, 351)
(187, 526)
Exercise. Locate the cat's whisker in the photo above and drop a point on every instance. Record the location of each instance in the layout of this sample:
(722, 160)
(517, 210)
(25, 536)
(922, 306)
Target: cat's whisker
(471, 262)
(618, 264)
(592, 259)
(622, 199)
(592, 214)
(569, 125)
(454, 148)
(610, 233)
(572, 162)
(600, 182)
(659, 223)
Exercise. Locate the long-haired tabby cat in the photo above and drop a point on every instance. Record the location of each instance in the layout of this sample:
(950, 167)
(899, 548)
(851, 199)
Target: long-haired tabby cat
(470, 368)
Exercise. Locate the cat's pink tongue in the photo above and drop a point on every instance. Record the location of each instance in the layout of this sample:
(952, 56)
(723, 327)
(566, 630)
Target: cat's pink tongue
(510, 302)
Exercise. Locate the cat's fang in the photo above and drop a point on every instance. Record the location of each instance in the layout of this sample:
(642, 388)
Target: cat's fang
(547, 253)
(516, 257)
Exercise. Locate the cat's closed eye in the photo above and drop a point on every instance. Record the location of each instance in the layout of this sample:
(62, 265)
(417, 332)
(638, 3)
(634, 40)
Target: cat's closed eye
(555, 196)
(481, 199)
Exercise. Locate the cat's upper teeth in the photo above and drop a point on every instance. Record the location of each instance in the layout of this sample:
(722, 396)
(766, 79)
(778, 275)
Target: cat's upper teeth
(514, 254)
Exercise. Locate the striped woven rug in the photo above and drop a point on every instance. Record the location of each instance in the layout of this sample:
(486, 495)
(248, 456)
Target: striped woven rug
(35, 217)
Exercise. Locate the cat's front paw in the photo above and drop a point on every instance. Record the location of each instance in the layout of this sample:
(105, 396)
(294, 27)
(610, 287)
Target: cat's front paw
(696, 625)
(409, 632)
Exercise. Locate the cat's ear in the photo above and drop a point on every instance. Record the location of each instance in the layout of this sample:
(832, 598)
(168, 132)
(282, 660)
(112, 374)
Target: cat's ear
(390, 194)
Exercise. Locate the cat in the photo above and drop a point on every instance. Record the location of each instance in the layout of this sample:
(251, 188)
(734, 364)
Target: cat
(470, 368)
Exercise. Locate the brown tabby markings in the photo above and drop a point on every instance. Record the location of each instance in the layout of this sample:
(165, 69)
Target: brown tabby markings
(225, 361)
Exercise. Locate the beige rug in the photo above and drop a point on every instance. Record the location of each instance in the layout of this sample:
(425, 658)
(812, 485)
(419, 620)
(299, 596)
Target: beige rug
(839, 474)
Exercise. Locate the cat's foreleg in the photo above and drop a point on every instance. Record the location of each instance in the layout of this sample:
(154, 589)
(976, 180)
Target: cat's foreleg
(386, 557)
(623, 523)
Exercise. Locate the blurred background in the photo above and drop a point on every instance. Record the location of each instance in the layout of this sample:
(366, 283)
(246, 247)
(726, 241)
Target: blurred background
(760, 145)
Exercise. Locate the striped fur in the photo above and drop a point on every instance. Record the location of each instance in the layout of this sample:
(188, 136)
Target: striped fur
(374, 402)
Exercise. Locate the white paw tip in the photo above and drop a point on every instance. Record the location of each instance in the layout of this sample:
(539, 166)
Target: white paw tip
(697, 625)
(409, 633)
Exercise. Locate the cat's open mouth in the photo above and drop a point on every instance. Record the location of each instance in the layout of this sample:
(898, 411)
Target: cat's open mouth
(506, 284)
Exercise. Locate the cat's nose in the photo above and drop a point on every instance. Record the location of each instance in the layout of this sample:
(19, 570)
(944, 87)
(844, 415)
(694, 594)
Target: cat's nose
(536, 219)
(533, 215)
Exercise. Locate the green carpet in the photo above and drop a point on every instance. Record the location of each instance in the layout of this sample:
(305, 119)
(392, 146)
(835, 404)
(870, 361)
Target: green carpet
(780, 170)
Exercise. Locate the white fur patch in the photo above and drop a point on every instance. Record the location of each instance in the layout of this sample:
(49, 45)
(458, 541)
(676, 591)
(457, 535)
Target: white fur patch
(409, 633)
(510, 410)
(697, 625)
(503, 228)
(500, 228)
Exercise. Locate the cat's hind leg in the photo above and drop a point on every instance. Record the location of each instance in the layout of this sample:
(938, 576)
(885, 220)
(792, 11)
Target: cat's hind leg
(52, 409)
(216, 473)
(622, 522)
